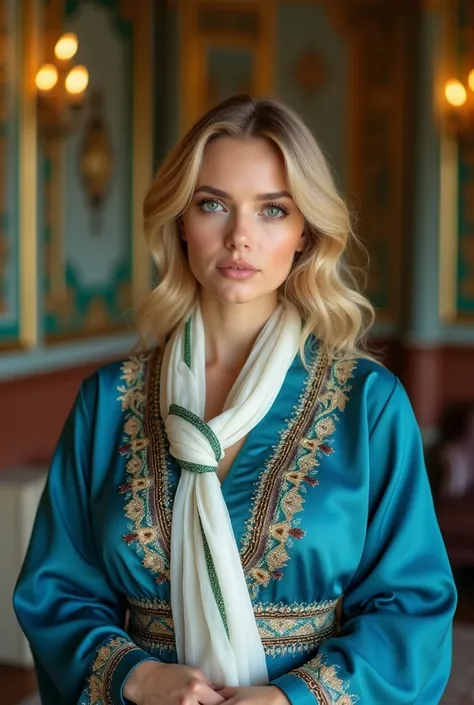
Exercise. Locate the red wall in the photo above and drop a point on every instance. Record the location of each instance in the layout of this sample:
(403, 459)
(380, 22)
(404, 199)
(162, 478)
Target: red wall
(433, 377)
(32, 413)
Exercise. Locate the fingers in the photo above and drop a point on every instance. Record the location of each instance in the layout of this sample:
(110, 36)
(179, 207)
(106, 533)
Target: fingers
(227, 692)
(198, 675)
(202, 693)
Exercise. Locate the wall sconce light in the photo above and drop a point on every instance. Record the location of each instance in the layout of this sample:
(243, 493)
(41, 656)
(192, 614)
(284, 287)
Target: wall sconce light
(460, 105)
(96, 161)
(61, 89)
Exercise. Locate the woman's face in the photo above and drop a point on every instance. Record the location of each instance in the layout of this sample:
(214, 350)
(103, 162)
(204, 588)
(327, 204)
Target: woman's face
(242, 227)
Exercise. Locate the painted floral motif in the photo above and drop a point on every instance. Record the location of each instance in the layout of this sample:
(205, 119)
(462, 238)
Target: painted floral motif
(109, 655)
(324, 683)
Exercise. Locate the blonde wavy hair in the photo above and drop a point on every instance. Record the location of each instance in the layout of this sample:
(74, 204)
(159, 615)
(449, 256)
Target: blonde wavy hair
(320, 284)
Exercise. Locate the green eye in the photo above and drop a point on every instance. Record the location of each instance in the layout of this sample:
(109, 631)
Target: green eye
(274, 212)
(210, 206)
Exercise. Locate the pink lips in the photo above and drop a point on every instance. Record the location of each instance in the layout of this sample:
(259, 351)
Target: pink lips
(237, 269)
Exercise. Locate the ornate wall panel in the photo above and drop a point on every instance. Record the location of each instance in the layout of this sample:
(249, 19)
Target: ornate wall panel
(311, 75)
(95, 262)
(381, 64)
(226, 48)
(457, 179)
(352, 85)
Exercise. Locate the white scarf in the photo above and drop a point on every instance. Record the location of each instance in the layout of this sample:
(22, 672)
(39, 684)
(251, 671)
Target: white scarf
(214, 623)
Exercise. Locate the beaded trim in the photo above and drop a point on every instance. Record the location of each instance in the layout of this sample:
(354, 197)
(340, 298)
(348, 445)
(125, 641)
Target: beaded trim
(187, 343)
(201, 426)
(213, 579)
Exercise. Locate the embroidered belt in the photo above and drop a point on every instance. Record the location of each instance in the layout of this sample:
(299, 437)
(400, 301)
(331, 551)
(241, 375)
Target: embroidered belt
(284, 629)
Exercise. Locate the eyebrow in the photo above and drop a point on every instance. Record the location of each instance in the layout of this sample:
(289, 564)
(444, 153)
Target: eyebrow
(260, 196)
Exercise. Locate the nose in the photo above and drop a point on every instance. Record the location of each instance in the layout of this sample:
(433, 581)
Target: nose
(238, 235)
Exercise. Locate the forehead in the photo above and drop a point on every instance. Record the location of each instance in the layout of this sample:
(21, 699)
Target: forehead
(251, 163)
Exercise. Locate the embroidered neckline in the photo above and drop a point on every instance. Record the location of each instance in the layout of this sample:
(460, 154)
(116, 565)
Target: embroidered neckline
(263, 549)
(291, 470)
(148, 497)
(288, 474)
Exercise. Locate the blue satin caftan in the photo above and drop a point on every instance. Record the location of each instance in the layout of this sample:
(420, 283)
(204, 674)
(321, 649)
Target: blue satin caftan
(331, 508)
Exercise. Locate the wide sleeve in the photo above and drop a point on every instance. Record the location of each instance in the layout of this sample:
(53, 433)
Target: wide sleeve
(395, 640)
(70, 614)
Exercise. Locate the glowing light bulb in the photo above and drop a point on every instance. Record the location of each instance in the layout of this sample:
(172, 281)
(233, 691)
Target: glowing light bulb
(455, 92)
(47, 77)
(470, 80)
(66, 46)
(77, 80)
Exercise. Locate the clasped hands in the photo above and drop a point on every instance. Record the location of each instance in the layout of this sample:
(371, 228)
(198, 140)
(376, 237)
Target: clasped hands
(153, 683)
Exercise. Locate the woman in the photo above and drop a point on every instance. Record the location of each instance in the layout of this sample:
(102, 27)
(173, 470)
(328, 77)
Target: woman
(305, 563)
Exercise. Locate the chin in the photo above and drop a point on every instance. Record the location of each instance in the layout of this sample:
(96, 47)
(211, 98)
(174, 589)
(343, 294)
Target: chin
(236, 294)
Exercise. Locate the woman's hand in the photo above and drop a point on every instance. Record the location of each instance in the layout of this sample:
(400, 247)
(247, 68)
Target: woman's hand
(254, 695)
(153, 683)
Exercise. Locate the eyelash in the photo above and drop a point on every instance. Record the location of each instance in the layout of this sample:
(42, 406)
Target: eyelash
(203, 202)
(280, 207)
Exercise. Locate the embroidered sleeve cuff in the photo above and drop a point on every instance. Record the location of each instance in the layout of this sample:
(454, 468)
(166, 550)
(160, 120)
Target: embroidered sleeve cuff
(296, 689)
(114, 662)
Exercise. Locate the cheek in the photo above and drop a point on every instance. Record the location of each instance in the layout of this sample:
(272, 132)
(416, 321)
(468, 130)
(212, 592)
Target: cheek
(281, 249)
(202, 232)
(202, 243)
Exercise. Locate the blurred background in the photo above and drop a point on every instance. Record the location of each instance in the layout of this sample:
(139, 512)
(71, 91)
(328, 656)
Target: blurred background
(92, 95)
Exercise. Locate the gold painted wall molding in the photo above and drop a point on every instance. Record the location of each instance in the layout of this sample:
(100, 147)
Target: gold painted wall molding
(24, 35)
(4, 244)
(143, 145)
(449, 185)
(28, 232)
(255, 32)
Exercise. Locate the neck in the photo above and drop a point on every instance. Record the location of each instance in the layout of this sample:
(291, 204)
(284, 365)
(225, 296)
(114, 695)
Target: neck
(232, 329)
